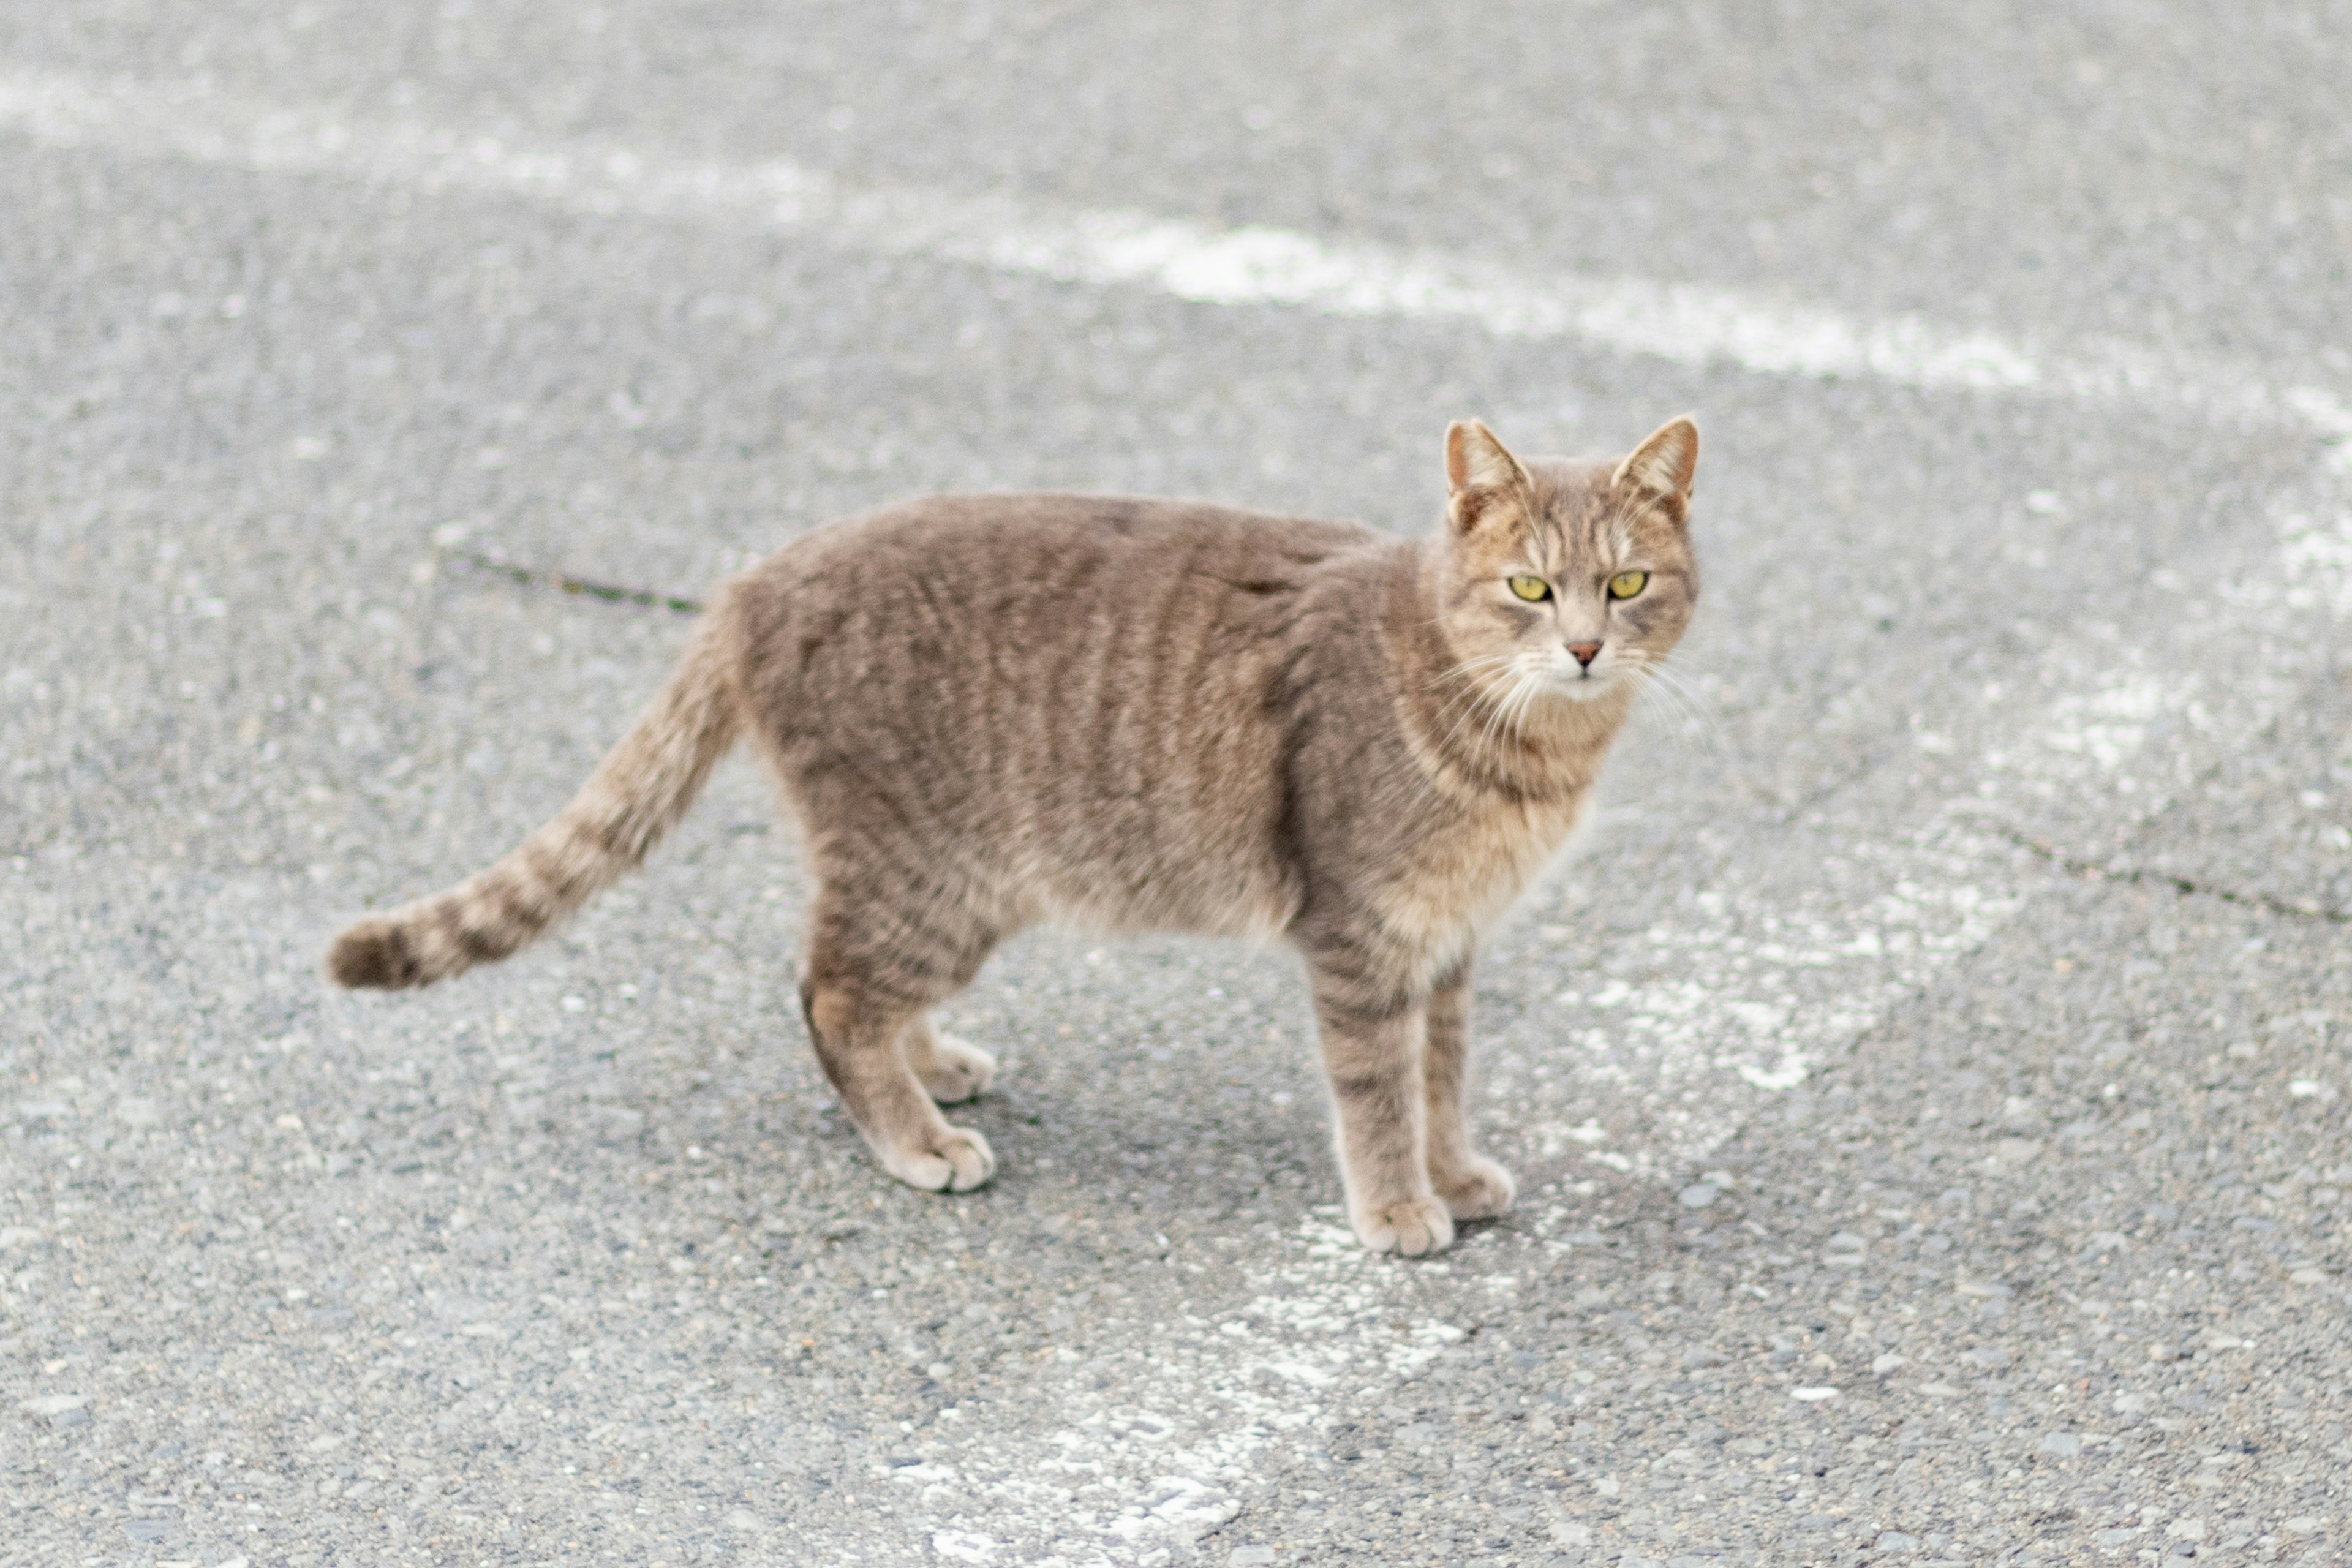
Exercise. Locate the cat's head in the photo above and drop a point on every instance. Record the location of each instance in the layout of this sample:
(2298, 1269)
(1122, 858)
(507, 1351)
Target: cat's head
(1567, 579)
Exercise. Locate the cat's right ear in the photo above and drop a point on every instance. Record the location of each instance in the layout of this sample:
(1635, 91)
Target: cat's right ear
(1479, 471)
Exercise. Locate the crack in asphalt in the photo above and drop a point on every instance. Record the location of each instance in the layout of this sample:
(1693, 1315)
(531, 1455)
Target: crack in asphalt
(2092, 871)
(586, 587)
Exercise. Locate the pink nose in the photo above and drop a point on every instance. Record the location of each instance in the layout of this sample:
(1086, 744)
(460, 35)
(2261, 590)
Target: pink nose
(1585, 652)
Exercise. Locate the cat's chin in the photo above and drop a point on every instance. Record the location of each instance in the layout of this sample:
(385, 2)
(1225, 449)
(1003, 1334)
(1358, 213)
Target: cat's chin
(1586, 690)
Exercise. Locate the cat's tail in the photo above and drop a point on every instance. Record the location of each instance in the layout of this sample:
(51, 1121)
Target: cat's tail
(642, 785)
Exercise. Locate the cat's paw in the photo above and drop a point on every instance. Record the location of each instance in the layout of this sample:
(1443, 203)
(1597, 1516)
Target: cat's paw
(1478, 1189)
(956, 1160)
(957, 1071)
(1411, 1227)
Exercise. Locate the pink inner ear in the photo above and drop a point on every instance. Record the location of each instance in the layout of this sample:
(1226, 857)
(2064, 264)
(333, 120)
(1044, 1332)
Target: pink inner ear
(1458, 471)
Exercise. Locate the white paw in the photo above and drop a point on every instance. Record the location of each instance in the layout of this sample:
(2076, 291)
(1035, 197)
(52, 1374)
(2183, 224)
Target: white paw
(957, 1161)
(958, 1071)
(1411, 1227)
(1480, 1189)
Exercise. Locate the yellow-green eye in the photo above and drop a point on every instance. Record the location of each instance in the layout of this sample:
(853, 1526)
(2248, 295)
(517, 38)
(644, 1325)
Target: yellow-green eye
(1625, 585)
(1530, 588)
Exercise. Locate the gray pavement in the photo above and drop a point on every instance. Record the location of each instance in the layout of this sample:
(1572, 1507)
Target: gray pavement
(1926, 1081)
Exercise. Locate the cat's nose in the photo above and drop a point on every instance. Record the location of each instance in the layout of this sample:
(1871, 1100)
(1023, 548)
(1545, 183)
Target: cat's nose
(1585, 652)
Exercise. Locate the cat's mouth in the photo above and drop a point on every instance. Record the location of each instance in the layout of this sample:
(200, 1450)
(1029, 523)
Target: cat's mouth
(1583, 685)
(1579, 683)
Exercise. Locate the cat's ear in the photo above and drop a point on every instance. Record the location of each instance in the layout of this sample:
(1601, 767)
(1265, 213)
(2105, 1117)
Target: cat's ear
(1479, 470)
(1662, 467)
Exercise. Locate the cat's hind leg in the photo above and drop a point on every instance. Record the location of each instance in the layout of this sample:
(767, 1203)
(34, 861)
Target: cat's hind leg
(869, 978)
(1474, 1186)
(952, 1071)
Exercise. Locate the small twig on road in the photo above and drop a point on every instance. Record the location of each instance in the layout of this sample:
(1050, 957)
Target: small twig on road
(2092, 871)
(612, 594)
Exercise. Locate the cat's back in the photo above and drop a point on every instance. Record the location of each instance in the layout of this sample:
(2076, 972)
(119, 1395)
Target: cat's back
(1044, 547)
(1082, 683)
(1034, 574)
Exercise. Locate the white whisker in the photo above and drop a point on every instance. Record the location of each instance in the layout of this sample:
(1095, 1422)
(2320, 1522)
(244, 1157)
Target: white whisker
(1674, 694)
(1489, 732)
(1530, 692)
(1471, 697)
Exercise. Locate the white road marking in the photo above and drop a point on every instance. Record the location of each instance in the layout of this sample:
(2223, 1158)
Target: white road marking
(1763, 988)
(1685, 323)
(2315, 544)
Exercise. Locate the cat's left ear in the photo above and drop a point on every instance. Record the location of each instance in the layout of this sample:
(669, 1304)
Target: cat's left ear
(1662, 467)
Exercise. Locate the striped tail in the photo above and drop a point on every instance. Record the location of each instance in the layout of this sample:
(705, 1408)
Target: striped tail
(641, 787)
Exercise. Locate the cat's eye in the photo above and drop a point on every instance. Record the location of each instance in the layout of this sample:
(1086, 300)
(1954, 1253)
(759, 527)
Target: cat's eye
(1625, 585)
(1530, 588)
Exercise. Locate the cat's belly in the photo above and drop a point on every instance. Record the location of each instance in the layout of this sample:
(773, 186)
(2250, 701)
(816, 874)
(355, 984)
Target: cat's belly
(1255, 905)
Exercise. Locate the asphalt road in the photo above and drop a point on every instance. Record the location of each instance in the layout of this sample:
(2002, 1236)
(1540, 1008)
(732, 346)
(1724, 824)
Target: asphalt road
(1926, 1082)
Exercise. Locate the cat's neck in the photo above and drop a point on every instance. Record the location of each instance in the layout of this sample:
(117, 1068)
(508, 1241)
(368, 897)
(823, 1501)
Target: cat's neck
(1459, 722)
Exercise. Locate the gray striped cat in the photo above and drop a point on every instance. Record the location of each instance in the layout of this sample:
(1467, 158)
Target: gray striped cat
(987, 711)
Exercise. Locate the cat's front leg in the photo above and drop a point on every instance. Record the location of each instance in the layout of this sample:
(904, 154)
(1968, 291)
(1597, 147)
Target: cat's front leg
(1474, 1186)
(1370, 1033)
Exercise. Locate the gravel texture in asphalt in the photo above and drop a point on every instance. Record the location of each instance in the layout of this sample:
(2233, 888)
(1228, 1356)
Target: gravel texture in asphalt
(1925, 1080)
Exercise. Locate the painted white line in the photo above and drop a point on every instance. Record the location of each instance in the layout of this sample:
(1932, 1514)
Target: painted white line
(1691, 1026)
(1685, 323)
(2315, 542)
(2317, 556)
